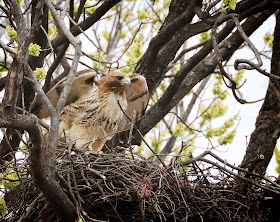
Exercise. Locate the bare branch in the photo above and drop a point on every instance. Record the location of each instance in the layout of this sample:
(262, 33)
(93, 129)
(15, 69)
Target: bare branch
(98, 13)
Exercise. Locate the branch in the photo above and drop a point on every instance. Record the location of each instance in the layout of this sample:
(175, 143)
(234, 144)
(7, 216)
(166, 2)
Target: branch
(189, 76)
(202, 158)
(167, 32)
(171, 141)
(43, 160)
(98, 13)
(38, 88)
(15, 74)
(237, 61)
(6, 48)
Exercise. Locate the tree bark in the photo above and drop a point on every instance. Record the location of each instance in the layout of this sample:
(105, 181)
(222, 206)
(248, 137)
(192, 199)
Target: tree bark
(13, 137)
(267, 131)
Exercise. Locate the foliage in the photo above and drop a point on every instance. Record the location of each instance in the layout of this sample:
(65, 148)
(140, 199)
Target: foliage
(40, 73)
(217, 109)
(204, 36)
(3, 208)
(224, 137)
(34, 49)
(10, 179)
(268, 39)
(12, 33)
(277, 157)
(2, 69)
(229, 4)
(52, 31)
(134, 53)
(238, 77)
(99, 57)
(143, 14)
(218, 89)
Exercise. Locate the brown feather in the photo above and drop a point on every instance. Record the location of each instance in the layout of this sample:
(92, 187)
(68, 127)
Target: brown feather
(82, 83)
(137, 100)
(93, 118)
(92, 114)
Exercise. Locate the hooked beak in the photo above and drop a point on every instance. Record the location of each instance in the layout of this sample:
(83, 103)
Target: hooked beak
(126, 81)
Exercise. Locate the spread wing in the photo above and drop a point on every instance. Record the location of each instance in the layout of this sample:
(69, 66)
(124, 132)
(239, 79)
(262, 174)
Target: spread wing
(81, 84)
(137, 100)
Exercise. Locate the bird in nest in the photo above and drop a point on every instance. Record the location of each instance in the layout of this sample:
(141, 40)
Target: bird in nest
(94, 109)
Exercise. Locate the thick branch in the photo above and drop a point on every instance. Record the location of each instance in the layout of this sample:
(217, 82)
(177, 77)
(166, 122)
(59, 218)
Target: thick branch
(189, 76)
(44, 175)
(263, 139)
(38, 166)
(154, 71)
(15, 74)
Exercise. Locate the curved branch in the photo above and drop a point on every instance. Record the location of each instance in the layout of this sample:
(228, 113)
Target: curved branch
(41, 171)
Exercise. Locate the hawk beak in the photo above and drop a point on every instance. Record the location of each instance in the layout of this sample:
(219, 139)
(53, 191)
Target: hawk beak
(126, 81)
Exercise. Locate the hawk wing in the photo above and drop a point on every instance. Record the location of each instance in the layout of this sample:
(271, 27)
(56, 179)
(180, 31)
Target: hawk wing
(137, 100)
(81, 84)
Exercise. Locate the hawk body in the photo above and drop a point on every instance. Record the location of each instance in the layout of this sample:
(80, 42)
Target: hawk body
(93, 118)
(92, 113)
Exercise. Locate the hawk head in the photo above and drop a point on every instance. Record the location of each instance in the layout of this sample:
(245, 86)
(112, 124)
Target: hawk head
(115, 82)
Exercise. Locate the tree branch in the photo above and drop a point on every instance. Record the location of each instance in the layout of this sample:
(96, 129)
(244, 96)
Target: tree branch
(189, 76)
(263, 140)
(98, 13)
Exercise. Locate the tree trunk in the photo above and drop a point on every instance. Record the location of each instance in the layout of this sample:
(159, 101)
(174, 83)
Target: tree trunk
(263, 139)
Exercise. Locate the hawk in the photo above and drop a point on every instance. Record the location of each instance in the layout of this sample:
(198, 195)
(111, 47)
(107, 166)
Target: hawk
(94, 108)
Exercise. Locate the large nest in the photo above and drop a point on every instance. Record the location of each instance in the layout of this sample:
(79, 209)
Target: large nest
(117, 187)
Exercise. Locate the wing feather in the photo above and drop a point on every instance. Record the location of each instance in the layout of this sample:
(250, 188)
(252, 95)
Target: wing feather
(81, 84)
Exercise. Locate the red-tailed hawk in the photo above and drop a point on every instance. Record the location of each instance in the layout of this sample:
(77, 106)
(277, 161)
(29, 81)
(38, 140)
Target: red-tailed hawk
(92, 114)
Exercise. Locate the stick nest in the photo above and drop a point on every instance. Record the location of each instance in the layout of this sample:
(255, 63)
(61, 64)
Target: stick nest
(116, 187)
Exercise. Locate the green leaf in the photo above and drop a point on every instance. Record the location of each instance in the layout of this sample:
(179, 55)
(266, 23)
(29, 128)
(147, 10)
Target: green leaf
(268, 39)
(230, 4)
(40, 73)
(34, 49)
(52, 30)
(204, 36)
(134, 53)
(277, 157)
(216, 110)
(179, 129)
(106, 35)
(228, 138)
(143, 14)
(96, 56)
(3, 207)
(219, 131)
(11, 181)
(12, 33)
(238, 77)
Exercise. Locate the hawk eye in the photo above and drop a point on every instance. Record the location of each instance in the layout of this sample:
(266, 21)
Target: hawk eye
(119, 77)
